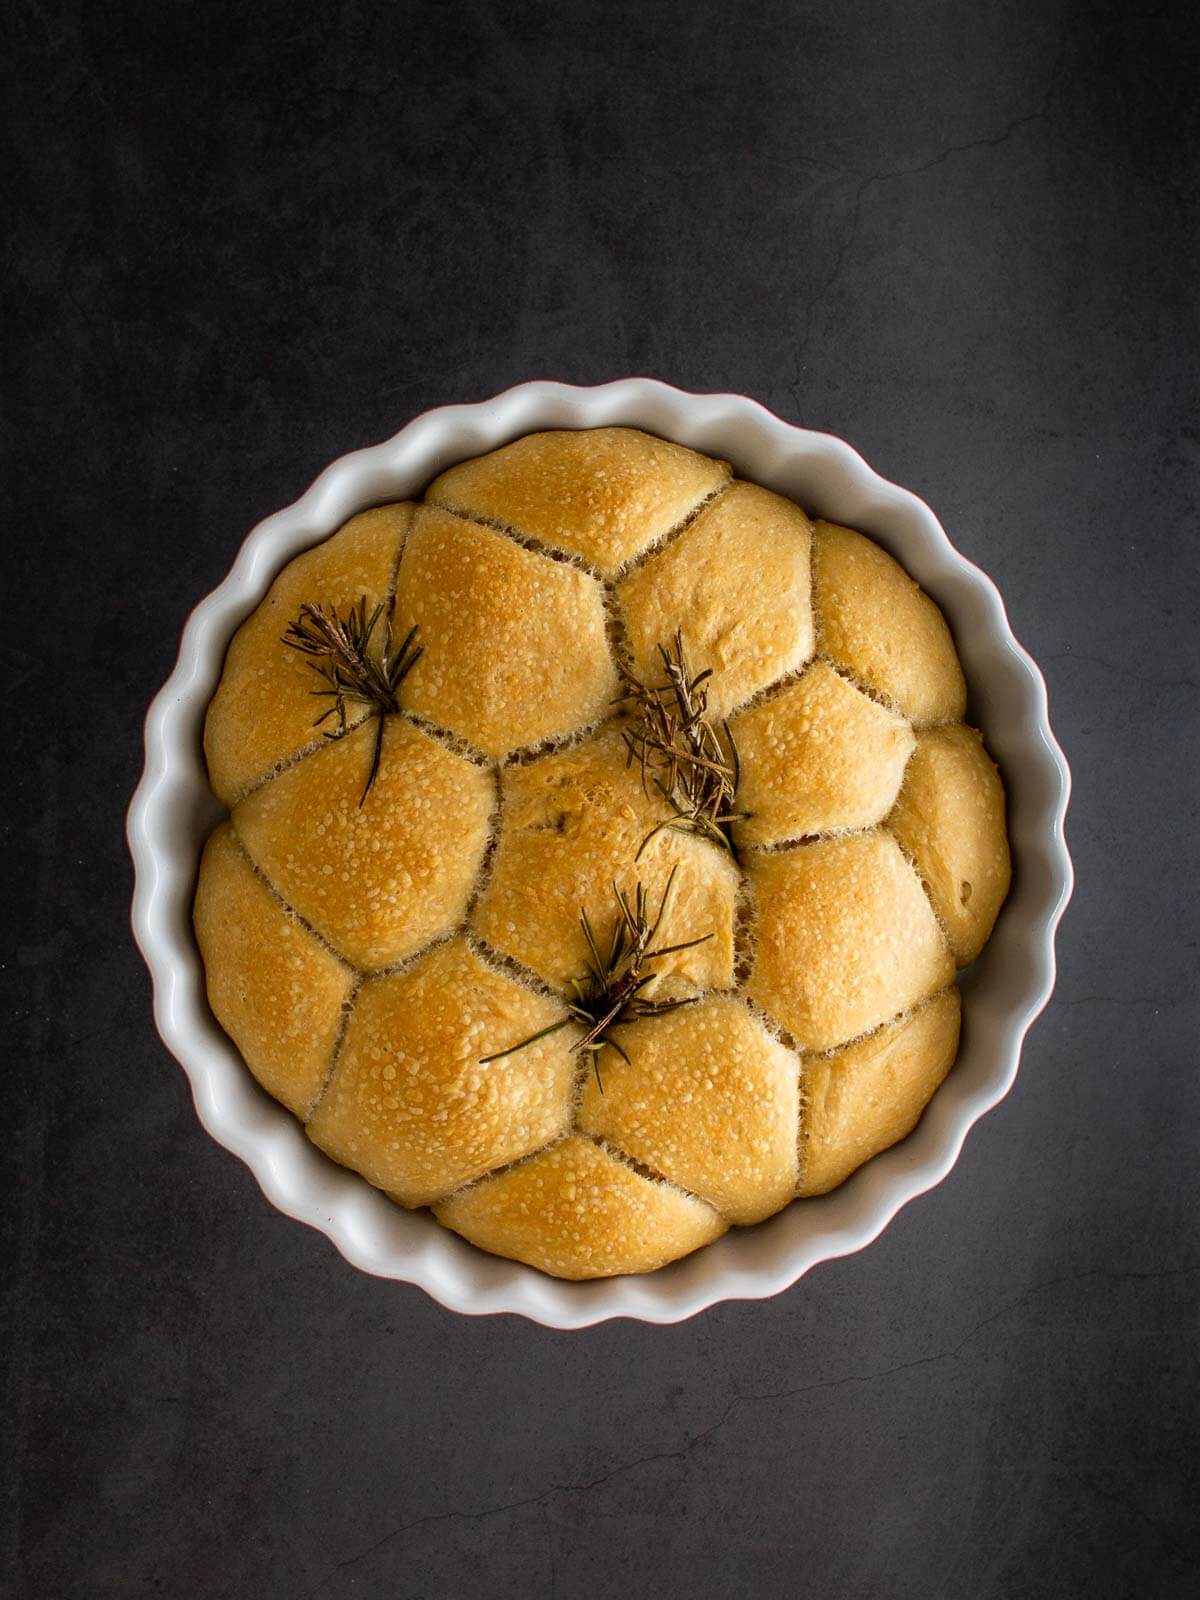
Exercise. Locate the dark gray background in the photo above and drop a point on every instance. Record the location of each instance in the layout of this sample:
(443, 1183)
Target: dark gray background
(247, 238)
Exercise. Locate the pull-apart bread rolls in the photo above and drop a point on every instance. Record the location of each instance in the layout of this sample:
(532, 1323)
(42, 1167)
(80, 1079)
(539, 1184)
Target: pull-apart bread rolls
(604, 837)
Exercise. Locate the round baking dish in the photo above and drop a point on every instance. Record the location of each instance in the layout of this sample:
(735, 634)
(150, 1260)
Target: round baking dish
(173, 811)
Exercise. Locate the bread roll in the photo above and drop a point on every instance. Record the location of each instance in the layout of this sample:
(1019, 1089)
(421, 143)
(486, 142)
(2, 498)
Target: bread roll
(577, 1212)
(383, 948)
(860, 1100)
(412, 1106)
(264, 708)
(875, 622)
(514, 649)
(378, 877)
(275, 990)
(846, 938)
(819, 757)
(604, 494)
(950, 820)
(708, 1099)
(571, 826)
(736, 585)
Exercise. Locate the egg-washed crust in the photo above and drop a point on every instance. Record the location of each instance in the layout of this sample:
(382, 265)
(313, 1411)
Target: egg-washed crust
(575, 1211)
(882, 628)
(603, 494)
(950, 819)
(264, 709)
(819, 757)
(426, 929)
(861, 1100)
(496, 622)
(409, 1104)
(277, 993)
(382, 878)
(846, 938)
(736, 584)
(570, 827)
(708, 1099)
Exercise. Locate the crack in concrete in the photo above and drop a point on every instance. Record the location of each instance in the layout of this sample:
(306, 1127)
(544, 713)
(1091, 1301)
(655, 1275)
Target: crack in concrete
(681, 1452)
(1119, 1000)
(868, 180)
(1124, 670)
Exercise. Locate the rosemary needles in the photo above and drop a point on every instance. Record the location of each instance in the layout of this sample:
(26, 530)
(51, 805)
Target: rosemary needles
(609, 995)
(673, 741)
(339, 651)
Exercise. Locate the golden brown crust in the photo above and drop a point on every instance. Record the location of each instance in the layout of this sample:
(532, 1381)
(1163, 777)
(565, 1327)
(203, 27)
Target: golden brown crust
(950, 819)
(410, 1105)
(264, 709)
(514, 645)
(382, 878)
(818, 757)
(736, 584)
(709, 1100)
(577, 1212)
(275, 991)
(864, 1098)
(877, 623)
(604, 494)
(846, 938)
(571, 825)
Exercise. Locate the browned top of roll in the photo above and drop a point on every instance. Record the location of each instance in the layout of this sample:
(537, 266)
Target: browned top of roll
(397, 920)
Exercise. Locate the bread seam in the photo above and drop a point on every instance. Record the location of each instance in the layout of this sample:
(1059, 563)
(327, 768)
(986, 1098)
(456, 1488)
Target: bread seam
(286, 763)
(801, 842)
(527, 541)
(336, 1052)
(650, 1174)
(768, 1021)
(449, 741)
(454, 742)
(486, 861)
(776, 687)
(888, 1022)
(616, 631)
(745, 929)
(917, 724)
(942, 929)
(572, 558)
(554, 744)
(318, 741)
(676, 530)
(326, 944)
(824, 1055)
(395, 969)
(492, 1172)
(508, 965)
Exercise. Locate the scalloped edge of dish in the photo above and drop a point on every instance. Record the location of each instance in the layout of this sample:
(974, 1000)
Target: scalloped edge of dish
(173, 809)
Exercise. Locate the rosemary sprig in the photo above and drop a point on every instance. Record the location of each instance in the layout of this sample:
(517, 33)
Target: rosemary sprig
(672, 739)
(609, 995)
(339, 651)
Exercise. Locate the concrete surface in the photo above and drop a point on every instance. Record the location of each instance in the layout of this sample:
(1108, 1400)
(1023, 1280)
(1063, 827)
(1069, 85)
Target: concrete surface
(246, 239)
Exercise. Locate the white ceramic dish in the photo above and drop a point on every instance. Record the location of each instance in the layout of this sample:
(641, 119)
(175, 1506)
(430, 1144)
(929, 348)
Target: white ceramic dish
(173, 810)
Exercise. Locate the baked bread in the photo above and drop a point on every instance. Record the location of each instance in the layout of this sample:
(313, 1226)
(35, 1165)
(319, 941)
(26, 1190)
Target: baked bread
(618, 895)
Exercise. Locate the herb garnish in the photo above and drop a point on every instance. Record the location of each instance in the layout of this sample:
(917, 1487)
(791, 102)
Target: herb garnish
(339, 652)
(674, 743)
(609, 995)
